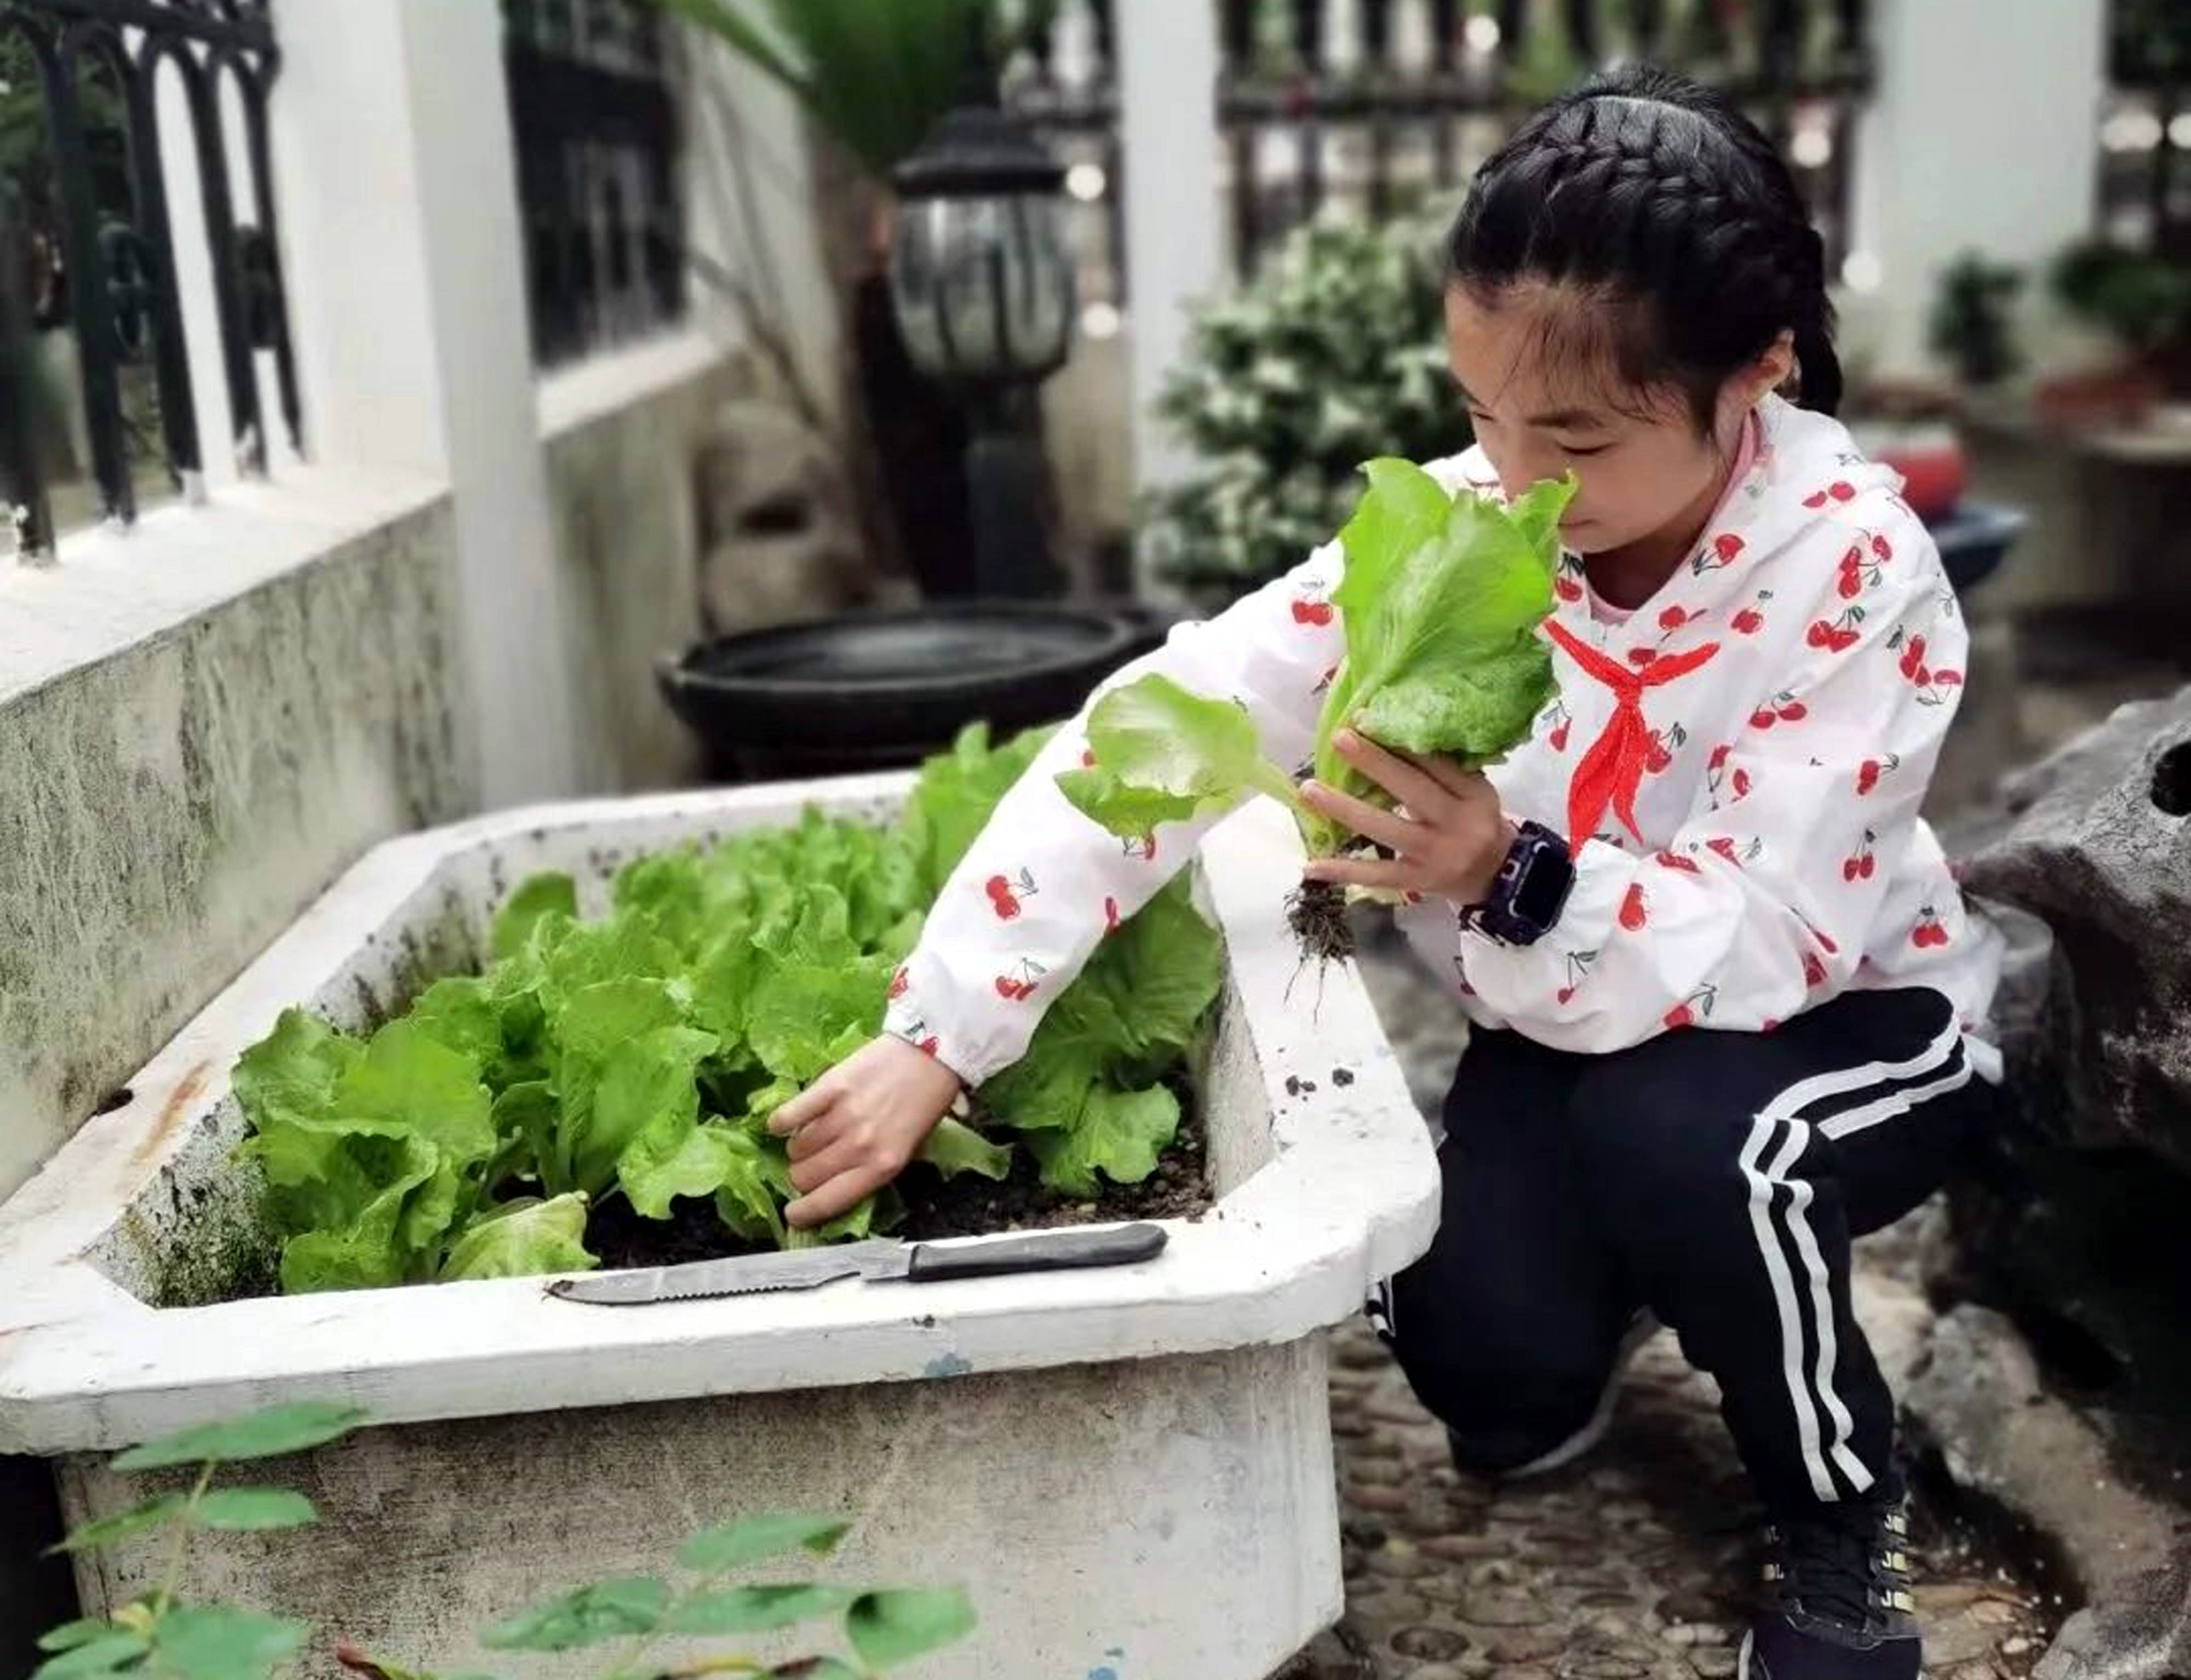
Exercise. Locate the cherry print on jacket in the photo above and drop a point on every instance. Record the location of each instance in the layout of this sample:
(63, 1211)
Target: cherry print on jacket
(1578, 970)
(1019, 984)
(1723, 550)
(1933, 686)
(1782, 708)
(1751, 618)
(1930, 931)
(1836, 635)
(1312, 611)
(1006, 892)
(1863, 863)
(1563, 726)
(1698, 1007)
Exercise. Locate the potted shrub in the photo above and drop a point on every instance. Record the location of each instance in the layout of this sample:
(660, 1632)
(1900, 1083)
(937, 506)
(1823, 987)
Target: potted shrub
(2142, 301)
(1333, 355)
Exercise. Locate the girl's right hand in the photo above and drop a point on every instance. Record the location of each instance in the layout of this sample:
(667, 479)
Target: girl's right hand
(855, 1128)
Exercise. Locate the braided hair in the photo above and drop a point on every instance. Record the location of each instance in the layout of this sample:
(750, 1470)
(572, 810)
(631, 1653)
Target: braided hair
(1660, 205)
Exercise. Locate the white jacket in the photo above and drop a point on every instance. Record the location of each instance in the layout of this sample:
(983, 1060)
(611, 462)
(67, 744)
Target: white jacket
(1790, 685)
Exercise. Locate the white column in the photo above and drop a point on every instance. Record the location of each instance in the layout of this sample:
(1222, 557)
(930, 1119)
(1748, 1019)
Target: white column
(1175, 221)
(402, 251)
(1983, 135)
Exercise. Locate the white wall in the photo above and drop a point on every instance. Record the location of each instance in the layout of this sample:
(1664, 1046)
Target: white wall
(1984, 134)
(406, 268)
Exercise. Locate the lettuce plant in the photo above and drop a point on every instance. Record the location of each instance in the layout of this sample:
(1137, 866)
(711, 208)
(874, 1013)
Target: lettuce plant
(1440, 599)
(639, 1055)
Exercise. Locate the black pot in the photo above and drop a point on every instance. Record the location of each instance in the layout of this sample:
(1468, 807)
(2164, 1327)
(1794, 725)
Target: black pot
(887, 690)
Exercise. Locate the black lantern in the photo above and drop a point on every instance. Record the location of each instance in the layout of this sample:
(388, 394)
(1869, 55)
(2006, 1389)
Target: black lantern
(983, 291)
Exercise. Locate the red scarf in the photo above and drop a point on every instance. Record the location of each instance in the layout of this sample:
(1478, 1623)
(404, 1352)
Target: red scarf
(1612, 771)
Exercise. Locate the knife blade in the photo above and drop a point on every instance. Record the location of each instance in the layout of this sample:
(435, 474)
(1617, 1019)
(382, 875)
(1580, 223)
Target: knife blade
(878, 1260)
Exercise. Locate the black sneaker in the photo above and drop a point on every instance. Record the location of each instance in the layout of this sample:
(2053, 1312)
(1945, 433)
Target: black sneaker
(1837, 1604)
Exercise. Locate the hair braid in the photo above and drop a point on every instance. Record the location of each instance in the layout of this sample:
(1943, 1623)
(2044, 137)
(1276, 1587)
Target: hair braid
(1663, 199)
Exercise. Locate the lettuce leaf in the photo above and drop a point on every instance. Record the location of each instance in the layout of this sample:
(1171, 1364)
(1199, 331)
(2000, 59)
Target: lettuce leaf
(1166, 754)
(955, 1147)
(522, 1238)
(1440, 598)
(1086, 1094)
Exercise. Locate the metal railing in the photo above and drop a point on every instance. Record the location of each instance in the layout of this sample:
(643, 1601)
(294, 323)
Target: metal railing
(87, 246)
(1380, 104)
(599, 151)
(2145, 134)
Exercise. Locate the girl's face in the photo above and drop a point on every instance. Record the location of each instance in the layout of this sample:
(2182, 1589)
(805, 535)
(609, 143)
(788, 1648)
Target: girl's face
(1643, 465)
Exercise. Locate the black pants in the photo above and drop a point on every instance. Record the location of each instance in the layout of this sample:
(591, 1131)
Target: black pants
(1715, 1179)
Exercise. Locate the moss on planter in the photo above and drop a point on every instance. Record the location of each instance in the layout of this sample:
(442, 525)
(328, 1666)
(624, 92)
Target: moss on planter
(216, 1248)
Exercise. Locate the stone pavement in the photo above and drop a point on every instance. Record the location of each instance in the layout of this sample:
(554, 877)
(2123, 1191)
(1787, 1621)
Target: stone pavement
(1634, 1564)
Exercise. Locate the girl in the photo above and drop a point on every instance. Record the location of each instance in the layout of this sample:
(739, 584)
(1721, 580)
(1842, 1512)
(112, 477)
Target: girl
(1723, 985)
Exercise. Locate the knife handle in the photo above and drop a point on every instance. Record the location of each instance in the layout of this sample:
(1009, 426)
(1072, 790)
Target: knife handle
(1041, 1251)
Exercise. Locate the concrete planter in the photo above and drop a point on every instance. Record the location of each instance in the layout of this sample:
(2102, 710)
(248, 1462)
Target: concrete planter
(1130, 1470)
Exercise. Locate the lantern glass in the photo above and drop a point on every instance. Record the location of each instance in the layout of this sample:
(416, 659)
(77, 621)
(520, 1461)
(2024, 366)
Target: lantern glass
(983, 285)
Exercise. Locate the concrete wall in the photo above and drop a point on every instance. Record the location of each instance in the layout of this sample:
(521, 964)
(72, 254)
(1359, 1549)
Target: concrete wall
(620, 435)
(172, 805)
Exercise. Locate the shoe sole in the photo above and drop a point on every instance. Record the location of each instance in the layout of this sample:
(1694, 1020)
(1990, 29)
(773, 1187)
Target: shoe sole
(1586, 1438)
(1742, 1657)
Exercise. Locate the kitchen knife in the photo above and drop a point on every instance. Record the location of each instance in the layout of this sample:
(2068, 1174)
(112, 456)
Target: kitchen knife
(881, 1260)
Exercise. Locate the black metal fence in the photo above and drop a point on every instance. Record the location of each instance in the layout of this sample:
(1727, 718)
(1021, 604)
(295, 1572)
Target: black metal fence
(1380, 104)
(88, 258)
(2145, 131)
(598, 178)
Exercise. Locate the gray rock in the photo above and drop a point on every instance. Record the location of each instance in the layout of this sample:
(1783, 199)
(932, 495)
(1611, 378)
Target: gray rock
(2142, 1633)
(1976, 1397)
(2102, 851)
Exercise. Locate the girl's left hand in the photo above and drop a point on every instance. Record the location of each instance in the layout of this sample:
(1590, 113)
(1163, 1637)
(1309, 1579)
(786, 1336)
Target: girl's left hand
(1450, 834)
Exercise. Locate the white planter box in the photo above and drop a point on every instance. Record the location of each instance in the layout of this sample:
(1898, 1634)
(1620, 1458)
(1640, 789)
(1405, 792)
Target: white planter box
(1130, 1469)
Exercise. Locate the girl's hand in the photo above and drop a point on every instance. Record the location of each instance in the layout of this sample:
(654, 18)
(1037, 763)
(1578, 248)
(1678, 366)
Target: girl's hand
(1450, 833)
(855, 1129)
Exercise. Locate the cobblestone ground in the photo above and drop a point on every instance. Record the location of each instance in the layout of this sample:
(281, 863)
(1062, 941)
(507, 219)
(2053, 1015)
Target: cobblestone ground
(1635, 1564)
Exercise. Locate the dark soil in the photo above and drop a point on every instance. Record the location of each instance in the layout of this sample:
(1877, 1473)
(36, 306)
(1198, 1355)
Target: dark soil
(965, 1206)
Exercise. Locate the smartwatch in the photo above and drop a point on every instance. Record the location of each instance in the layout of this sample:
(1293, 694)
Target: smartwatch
(1529, 890)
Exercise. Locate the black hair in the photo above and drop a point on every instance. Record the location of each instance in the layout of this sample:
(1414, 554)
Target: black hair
(1677, 217)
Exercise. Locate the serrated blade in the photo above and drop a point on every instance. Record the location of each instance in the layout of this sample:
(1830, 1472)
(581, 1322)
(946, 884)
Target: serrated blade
(748, 1274)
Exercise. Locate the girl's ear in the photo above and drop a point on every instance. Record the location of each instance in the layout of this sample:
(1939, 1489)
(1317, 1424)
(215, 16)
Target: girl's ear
(1775, 369)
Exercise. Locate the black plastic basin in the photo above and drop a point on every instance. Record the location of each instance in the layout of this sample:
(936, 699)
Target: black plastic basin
(1974, 540)
(885, 690)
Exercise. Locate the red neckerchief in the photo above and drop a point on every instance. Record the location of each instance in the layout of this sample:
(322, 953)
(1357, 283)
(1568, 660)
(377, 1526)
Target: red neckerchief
(1612, 771)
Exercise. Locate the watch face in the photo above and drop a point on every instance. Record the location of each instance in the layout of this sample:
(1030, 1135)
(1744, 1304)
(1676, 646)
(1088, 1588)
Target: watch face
(1542, 892)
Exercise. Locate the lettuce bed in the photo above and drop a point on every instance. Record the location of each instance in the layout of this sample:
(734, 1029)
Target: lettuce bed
(602, 1078)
